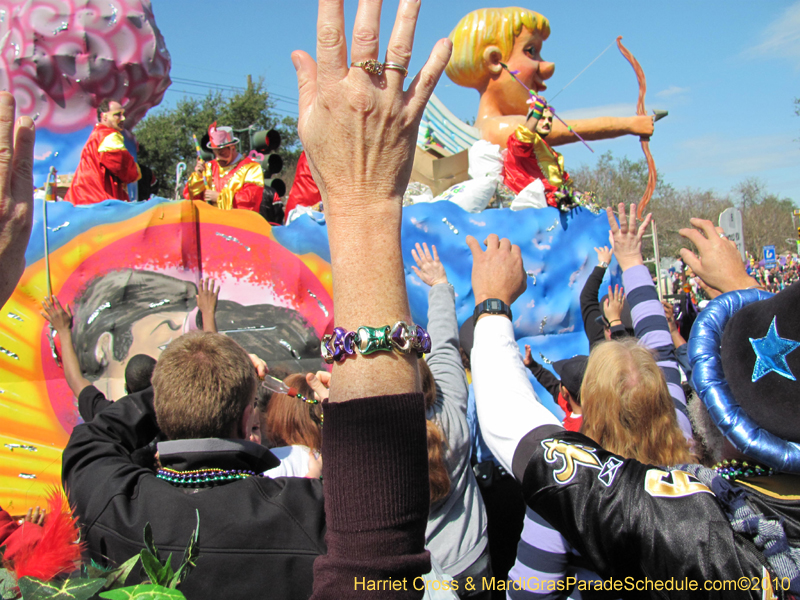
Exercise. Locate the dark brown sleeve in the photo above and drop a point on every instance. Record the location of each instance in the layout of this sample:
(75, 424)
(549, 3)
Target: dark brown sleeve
(375, 473)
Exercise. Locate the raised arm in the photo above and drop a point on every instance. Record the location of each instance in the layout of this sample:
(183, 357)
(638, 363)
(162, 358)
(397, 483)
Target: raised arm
(444, 359)
(590, 303)
(359, 131)
(649, 323)
(207, 296)
(507, 406)
(547, 380)
(16, 193)
(61, 320)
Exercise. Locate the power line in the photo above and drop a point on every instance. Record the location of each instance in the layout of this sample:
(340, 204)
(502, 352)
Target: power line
(274, 108)
(198, 83)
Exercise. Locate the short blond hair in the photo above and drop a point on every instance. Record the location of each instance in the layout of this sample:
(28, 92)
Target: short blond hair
(486, 27)
(627, 407)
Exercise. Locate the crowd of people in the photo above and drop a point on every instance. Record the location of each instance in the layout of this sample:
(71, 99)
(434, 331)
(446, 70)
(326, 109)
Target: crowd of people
(673, 472)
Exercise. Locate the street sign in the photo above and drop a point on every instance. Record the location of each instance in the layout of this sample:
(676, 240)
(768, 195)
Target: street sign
(769, 256)
(731, 222)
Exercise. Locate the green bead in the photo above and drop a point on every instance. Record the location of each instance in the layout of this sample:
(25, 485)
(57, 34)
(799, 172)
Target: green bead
(372, 339)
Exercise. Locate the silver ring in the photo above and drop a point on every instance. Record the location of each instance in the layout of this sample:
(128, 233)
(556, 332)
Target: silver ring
(723, 236)
(371, 66)
(395, 67)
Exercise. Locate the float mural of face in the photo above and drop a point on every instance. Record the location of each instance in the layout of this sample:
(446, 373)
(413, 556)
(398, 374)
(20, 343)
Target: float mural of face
(130, 276)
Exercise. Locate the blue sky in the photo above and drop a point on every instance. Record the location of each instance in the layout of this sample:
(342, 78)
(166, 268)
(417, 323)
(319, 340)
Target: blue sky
(727, 71)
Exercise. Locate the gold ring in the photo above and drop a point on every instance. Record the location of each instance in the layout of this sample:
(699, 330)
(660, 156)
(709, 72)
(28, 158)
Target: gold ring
(371, 66)
(395, 67)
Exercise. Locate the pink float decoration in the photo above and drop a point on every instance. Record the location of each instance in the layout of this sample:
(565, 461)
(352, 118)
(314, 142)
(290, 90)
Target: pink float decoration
(60, 58)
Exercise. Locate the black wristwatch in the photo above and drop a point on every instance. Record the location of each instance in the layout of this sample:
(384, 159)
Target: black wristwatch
(492, 306)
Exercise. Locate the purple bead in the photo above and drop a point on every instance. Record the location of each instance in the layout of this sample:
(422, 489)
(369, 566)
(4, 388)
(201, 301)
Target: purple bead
(338, 343)
(350, 343)
(399, 337)
(423, 340)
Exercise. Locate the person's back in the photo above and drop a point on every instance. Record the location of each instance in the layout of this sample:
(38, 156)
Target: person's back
(256, 534)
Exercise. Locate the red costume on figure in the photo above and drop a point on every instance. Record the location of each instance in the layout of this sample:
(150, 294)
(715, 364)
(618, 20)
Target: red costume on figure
(304, 189)
(105, 169)
(240, 185)
(530, 157)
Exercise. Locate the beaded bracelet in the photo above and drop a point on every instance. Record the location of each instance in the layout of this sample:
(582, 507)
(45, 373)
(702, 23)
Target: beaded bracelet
(402, 337)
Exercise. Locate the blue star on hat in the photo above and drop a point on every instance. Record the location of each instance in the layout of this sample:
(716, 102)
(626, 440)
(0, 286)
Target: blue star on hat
(771, 351)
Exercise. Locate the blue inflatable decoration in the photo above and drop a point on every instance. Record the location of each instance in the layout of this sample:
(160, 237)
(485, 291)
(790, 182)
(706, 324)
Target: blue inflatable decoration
(557, 252)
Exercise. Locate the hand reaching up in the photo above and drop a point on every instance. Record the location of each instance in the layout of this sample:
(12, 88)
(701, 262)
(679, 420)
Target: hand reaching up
(429, 269)
(16, 193)
(627, 236)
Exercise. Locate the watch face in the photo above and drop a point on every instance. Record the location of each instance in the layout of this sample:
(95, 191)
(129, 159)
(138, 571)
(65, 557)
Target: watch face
(495, 305)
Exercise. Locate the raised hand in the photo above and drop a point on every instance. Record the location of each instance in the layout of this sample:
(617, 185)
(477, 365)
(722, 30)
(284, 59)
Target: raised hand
(612, 308)
(359, 130)
(604, 254)
(207, 296)
(429, 269)
(527, 360)
(320, 382)
(16, 193)
(627, 237)
(496, 272)
(59, 317)
(719, 263)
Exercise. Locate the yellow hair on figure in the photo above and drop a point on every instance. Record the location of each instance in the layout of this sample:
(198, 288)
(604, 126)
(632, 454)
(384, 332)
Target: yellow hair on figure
(488, 27)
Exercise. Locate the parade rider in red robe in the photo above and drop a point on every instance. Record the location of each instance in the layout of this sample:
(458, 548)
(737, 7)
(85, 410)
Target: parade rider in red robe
(106, 167)
(530, 157)
(230, 180)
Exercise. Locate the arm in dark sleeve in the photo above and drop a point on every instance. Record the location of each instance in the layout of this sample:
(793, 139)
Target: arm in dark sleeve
(682, 356)
(91, 401)
(547, 380)
(376, 496)
(590, 306)
(97, 465)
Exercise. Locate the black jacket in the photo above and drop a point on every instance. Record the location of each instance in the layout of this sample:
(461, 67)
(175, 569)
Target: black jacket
(258, 536)
(640, 524)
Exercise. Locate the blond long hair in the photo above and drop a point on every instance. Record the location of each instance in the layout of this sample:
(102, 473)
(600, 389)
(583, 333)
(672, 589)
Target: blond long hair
(627, 408)
(438, 474)
(488, 27)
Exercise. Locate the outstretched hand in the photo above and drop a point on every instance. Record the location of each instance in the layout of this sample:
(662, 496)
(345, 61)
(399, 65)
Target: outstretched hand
(59, 317)
(16, 193)
(627, 236)
(496, 272)
(359, 130)
(719, 263)
(429, 268)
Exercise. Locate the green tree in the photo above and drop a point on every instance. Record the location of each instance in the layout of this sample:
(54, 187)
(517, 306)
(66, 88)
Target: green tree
(767, 218)
(165, 136)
